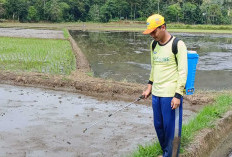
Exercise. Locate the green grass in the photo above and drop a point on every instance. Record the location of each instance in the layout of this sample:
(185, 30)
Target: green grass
(36, 55)
(91, 74)
(180, 30)
(199, 27)
(204, 119)
(134, 26)
(66, 33)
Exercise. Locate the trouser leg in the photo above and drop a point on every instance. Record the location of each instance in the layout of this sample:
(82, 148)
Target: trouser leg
(158, 120)
(168, 124)
(172, 123)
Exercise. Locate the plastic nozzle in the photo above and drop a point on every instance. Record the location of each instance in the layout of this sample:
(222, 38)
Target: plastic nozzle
(84, 130)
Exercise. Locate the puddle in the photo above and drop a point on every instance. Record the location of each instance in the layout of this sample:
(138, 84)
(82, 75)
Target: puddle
(37, 122)
(125, 56)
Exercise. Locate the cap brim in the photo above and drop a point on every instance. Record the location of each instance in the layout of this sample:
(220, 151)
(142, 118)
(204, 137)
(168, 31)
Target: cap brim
(148, 31)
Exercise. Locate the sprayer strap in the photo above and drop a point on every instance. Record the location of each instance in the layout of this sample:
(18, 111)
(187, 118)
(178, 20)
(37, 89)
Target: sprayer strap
(174, 47)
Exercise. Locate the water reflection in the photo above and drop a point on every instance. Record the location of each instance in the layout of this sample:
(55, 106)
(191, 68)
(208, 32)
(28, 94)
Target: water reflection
(125, 56)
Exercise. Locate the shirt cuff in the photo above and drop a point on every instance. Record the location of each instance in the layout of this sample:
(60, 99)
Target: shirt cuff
(177, 95)
(150, 82)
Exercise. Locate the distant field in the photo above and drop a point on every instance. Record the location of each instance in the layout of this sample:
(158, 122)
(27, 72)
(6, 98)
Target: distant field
(122, 26)
(36, 55)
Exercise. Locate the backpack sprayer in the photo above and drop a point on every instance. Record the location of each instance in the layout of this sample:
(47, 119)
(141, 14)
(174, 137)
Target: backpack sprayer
(192, 57)
(141, 97)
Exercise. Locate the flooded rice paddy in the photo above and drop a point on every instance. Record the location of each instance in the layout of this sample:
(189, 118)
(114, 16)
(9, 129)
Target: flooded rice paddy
(37, 122)
(125, 56)
(31, 33)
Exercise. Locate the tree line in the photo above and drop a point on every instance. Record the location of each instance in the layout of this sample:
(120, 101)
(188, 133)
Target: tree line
(183, 11)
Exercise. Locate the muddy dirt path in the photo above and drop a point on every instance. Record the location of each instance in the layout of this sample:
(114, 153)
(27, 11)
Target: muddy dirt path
(37, 122)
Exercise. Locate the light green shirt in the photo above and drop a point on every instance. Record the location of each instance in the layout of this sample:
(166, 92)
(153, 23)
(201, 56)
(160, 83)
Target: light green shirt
(168, 78)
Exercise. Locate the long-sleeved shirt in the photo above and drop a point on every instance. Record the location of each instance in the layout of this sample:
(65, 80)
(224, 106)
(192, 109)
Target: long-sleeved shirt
(167, 76)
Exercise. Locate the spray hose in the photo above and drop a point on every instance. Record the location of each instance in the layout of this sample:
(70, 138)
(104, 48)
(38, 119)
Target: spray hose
(141, 97)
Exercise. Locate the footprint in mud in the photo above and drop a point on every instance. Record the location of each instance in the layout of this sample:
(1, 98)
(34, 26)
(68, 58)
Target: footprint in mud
(92, 109)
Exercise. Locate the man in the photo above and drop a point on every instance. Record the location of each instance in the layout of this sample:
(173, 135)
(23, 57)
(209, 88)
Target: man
(166, 84)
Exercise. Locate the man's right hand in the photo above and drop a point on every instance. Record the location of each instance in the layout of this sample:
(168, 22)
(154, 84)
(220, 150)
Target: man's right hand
(147, 92)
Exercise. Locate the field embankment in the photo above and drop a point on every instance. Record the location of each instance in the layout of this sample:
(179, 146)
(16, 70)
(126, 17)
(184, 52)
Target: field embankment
(122, 26)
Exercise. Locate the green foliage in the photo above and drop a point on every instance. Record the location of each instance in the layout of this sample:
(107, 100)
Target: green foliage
(91, 74)
(198, 16)
(105, 13)
(65, 11)
(66, 33)
(173, 13)
(148, 151)
(16, 9)
(94, 13)
(54, 11)
(32, 14)
(188, 11)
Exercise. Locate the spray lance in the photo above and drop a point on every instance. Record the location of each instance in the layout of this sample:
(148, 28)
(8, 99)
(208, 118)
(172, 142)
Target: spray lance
(111, 114)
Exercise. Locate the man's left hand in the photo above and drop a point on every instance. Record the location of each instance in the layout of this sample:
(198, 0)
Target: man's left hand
(175, 103)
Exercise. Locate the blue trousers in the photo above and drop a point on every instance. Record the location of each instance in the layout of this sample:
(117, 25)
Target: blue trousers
(167, 122)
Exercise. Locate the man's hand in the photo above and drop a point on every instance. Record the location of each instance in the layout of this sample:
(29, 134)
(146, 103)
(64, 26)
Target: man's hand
(147, 92)
(175, 103)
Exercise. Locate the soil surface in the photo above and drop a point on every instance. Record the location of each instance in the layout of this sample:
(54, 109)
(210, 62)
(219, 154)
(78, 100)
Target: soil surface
(224, 149)
(38, 122)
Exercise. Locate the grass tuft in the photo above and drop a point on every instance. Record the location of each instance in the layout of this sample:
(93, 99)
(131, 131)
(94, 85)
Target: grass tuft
(66, 33)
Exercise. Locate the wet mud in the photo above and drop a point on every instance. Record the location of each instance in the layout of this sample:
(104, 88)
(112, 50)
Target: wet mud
(39, 122)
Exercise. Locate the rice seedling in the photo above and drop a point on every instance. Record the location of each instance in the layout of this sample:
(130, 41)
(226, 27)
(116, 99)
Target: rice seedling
(37, 55)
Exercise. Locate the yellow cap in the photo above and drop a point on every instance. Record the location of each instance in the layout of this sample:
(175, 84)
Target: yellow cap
(153, 22)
